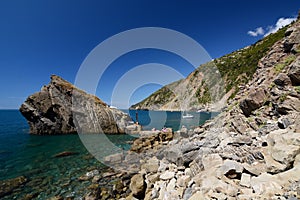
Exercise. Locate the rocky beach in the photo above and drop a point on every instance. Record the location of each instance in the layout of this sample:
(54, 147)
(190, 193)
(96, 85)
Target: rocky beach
(250, 151)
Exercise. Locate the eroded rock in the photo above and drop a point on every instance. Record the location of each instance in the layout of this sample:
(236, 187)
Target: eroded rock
(61, 108)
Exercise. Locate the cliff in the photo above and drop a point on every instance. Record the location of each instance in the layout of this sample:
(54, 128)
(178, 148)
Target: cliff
(61, 108)
(236, 69)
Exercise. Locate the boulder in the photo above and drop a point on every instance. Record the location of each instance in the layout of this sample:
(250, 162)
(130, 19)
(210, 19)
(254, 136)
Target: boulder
(232, 169)
(284, 146)
(282, 80)
(151, 166)
(61, 108)
(294, 73)
(138, 186)
(167, 175)
(253, 101)
(211, 161)
(245, 180)
(266, 184)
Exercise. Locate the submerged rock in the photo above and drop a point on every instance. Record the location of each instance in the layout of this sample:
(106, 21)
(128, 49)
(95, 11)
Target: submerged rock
(7, 186)
(65, 153)
(61, 108)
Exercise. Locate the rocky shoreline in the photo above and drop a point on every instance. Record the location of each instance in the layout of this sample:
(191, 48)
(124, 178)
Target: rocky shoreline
(250, 151)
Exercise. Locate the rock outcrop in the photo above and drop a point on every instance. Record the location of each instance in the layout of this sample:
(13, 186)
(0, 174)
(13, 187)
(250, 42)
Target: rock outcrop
(61, 108)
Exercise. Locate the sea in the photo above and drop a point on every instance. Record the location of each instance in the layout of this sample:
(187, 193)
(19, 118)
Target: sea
(33, 156)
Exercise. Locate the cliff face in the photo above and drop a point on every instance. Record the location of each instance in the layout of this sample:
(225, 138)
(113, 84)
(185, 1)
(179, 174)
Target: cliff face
(61, 108)
(197, 90)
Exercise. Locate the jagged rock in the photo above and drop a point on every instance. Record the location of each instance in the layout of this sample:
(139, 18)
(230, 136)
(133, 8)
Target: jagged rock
(138, 186)
(282, 80)
(283, 123)
(246, 180)
(231, 169)
(183, 181)
(266, 184)
(190, 146)
(197, 196)
(61, 108)
(167, 175)
(174, 155)
(294, 73)
(254, 100)
(211, 161)
(284, 146)
(151, 165)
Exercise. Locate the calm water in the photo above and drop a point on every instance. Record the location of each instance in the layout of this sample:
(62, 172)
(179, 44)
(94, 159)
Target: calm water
(174, 120)
(33, 156)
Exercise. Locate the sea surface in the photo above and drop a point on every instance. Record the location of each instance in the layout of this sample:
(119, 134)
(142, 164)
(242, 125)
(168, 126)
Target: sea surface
(32, 156)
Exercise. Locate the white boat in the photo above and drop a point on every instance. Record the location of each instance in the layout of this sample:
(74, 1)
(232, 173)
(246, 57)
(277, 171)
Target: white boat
(187, 116)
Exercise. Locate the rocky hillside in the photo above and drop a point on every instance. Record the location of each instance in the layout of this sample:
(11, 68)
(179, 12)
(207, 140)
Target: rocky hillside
(250, 151)
(195, 92)
(61, 108)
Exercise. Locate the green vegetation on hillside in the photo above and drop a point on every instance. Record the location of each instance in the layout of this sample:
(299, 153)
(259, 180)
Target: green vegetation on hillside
(159, 97)
(238, 67)
(203, 94)
(280, 66)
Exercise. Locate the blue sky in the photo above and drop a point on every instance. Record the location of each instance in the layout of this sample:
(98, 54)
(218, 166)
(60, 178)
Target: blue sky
(40, 38)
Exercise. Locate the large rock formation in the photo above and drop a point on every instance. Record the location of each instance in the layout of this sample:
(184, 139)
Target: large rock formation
(61, 108)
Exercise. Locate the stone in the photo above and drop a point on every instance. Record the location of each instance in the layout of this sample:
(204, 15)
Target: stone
(189, 146)
(211, 161)
(138, 186)
(114, 158)
(171, 185)
(183, 181)
(283, 123)
(197, 196)
(163, 165)
(96, 179)
(174, 155)
(65, 154)
(245, 180)
(253, 101)
(92, 173)
(266, 184)
(61, 108)
(231, 168)
(294, 73)
(151, 179)
(151, 166)
(7, 186)
(272, 166)
(240, 140)
(167, 175)
(282, 80)
(284, 146)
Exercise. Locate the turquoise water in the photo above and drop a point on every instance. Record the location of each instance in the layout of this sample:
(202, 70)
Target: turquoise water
(160, 119)
(32, 156)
